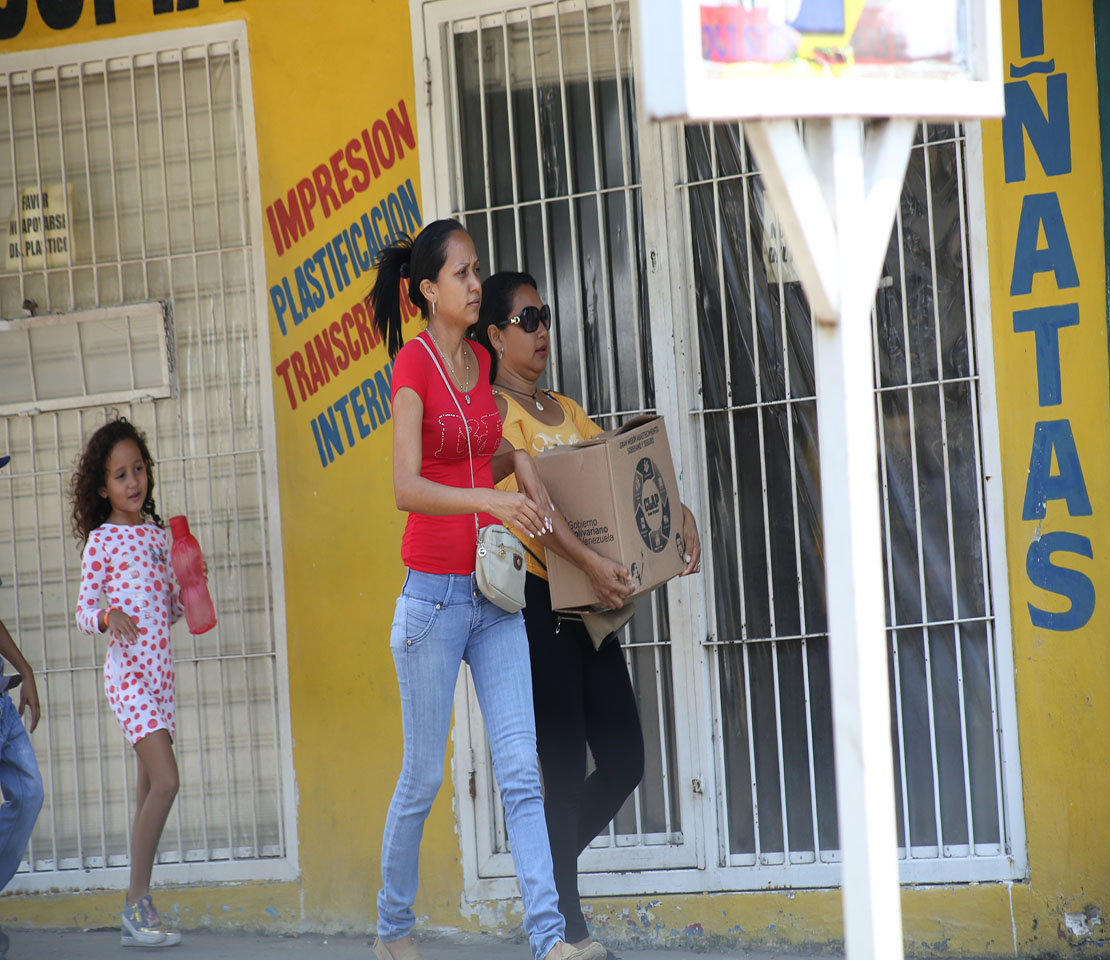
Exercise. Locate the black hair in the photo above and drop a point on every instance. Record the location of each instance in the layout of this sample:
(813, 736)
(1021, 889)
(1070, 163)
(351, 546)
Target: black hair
(90, 509)
(498, 292)
(413, 259)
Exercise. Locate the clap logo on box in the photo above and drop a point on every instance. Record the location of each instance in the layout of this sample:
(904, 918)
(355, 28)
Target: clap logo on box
(653, 507)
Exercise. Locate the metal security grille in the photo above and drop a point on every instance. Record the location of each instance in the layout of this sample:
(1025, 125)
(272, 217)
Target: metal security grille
(769, 663)
(539, 108)
(151, 138)
(547, 179)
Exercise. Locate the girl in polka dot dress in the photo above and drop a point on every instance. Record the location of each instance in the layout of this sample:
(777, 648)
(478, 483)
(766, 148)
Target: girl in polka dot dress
(126, 559)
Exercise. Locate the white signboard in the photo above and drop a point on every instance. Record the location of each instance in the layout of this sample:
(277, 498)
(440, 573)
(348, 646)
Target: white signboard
(40, 228)
(726, 59)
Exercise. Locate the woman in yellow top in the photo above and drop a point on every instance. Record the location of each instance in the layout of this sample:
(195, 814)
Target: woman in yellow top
(581, 695)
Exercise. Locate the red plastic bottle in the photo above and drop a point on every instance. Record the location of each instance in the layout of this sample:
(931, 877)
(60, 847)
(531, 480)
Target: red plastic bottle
(188, 564)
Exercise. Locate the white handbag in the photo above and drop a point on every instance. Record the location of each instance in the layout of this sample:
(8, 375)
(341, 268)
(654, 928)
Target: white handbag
(499, 567)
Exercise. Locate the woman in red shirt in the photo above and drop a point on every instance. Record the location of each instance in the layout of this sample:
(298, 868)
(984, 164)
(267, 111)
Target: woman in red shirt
(441, 617)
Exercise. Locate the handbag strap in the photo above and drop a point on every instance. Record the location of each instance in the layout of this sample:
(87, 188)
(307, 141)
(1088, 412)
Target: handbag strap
(535, 556)
(465, 425)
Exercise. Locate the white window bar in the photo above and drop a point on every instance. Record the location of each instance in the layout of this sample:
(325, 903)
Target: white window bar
(990, 625)
(604, 317)
(113, 120)
(802, 856)
(541, 180)
(947, 474)
(921, 559)
(505, 49)
(572, 213)
(900, 772)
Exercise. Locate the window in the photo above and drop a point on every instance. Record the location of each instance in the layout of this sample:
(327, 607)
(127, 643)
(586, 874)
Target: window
(151, 141)
(757, 417)
(671, 291)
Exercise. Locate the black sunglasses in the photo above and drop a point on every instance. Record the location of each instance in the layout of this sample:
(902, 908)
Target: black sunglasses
(530, 318)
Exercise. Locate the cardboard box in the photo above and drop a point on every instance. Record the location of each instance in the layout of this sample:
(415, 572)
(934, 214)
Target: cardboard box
(619, 495)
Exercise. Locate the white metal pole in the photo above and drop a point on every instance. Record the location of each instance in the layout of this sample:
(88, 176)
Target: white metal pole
(835, 194)
(854, 572)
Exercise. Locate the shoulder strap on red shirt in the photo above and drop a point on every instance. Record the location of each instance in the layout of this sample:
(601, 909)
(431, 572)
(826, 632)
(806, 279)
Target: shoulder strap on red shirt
(465, 426)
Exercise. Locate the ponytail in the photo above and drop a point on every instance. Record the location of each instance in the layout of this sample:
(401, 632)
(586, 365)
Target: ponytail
(412, 260)
(384, 299)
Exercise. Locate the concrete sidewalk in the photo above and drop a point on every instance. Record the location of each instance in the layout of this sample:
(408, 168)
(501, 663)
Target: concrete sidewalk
(41, 944)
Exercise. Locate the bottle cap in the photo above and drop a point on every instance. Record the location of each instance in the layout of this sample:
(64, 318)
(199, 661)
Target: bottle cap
(179, 526)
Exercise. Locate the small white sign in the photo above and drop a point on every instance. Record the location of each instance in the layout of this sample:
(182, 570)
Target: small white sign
(759, 59)
(39, 228)
(776, 255)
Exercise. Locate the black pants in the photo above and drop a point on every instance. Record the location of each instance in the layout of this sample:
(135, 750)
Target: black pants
(582, 696)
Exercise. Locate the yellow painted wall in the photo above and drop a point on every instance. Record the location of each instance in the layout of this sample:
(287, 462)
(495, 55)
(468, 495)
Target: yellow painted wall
(1062, 670)
(321, 73)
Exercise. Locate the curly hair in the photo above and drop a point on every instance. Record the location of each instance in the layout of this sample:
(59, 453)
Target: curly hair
(90, 509)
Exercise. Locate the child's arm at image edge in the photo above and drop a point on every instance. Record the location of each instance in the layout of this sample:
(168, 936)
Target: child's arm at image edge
(29, 694)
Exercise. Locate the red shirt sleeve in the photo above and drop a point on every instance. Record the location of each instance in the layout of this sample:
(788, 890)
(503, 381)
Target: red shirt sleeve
(411, 369)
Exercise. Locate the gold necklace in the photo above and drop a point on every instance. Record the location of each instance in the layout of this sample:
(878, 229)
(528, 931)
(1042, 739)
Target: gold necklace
(531, 396)
(465, 391)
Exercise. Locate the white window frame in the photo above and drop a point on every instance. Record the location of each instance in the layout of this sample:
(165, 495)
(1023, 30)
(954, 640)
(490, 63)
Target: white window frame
(670, 292)
(1013, 802)
(155, 314)
(143, 49)
(491, 876)
(673, 342)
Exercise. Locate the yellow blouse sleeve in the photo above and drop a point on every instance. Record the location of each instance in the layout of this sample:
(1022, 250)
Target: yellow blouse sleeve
(582, 423)
(513, 430)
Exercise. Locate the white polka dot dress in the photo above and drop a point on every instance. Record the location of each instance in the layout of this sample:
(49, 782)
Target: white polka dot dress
(130, 566)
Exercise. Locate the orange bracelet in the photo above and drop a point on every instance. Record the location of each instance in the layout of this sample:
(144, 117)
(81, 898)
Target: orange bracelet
(108, 613)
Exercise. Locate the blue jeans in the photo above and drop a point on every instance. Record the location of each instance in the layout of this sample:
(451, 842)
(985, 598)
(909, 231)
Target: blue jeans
(22, 785)
(441, 620)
